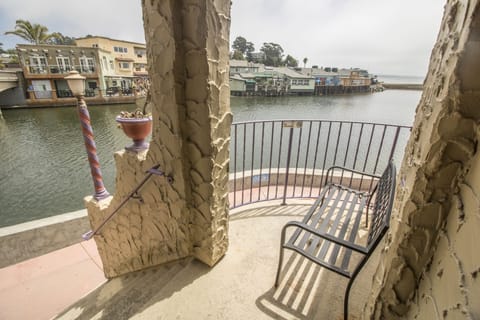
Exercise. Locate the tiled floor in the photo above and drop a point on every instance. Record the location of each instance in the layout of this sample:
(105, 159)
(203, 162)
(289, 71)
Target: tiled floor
(42, 287)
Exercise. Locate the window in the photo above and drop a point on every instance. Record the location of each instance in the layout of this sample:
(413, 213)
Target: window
(63, 64)
(105, 65)
(124, 65)
(120, 49)
(140, 53)
(111, 65)
(95, 45)
(87, 65)
(38, 64)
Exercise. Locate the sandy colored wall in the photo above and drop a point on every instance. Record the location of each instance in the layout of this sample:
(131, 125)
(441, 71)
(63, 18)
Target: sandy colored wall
(430, 267)
(187, 50)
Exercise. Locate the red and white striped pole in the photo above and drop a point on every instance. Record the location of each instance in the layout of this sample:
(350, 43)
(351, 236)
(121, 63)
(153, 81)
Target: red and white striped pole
(77, 85)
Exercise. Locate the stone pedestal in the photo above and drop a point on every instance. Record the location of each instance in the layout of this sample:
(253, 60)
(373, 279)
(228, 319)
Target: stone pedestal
(187, 49)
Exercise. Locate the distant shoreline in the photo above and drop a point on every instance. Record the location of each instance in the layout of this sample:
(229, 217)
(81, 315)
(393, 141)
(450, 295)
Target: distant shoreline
(403, 86)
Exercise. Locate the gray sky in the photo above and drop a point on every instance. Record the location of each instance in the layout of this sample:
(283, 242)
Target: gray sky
(383, 36)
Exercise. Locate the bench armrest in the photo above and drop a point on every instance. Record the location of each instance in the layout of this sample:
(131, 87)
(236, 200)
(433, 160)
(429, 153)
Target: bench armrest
(343, 243)
(333, 168)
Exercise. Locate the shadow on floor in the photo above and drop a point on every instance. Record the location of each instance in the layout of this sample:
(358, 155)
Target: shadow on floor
(240, 286)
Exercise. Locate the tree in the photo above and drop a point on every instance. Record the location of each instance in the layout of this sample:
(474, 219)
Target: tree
(249, 49)
(33, 33)
(291, 61)
(1, 48)
(240, 45)
(60, 39)
(305, 60)
(273, 54)
(237, 55)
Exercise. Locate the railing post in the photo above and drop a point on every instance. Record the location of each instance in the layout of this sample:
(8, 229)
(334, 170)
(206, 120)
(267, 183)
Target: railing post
(291, 125)
(394, 145)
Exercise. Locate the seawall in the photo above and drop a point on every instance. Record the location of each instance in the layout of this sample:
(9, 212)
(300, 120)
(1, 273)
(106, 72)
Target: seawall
(32, 239)
(403, 86)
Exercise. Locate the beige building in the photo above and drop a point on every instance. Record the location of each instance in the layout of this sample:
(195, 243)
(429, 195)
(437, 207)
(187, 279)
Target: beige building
(45, 67)
(123, 62)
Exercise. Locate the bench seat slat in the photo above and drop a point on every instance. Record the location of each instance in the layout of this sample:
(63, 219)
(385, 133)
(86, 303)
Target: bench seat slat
(314, 241)
(340, 211)
(318, 207)
(355, 212)
(353, 235)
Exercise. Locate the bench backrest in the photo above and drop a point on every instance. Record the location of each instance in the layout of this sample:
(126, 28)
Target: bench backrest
(382, 209)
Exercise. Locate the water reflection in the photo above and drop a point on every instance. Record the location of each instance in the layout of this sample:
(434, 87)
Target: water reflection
(44, 167)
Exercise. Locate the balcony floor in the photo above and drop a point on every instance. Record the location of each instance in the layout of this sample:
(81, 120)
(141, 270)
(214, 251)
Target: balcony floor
(240, 286)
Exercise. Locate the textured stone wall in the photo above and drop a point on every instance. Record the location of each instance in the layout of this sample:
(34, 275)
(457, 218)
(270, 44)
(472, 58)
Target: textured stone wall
(187, 48)
(430, 268)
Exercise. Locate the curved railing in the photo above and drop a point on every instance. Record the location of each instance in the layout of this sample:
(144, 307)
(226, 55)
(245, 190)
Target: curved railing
(282, 159)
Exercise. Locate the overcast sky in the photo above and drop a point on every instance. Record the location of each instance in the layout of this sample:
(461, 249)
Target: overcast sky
(383, 36)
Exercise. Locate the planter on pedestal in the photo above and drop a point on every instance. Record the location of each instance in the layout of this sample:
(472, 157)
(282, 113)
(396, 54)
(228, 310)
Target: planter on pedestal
(137, 129)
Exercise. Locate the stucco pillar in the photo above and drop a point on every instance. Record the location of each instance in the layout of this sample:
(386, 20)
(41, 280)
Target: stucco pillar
(430, 267)
(187, 50)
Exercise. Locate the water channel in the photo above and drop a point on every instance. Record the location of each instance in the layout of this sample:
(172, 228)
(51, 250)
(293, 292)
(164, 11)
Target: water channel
(44, 169)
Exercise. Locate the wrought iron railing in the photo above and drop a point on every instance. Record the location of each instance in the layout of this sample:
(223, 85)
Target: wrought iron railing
(58, 69)
(282, 159)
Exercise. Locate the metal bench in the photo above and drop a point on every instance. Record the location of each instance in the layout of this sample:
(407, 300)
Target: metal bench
(329, 234)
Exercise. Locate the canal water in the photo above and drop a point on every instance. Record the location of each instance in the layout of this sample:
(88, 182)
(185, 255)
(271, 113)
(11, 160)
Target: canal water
(44, 169)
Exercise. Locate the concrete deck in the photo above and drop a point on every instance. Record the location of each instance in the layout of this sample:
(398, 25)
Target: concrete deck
(240, 286)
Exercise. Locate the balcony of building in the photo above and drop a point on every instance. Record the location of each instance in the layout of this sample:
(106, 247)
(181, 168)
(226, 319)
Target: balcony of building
(277, 170)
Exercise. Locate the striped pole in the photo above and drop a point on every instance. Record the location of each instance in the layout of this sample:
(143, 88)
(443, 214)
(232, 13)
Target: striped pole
(100, 191)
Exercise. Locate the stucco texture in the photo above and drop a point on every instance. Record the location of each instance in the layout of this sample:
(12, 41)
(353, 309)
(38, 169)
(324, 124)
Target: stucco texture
(187, 50)
(429, 268)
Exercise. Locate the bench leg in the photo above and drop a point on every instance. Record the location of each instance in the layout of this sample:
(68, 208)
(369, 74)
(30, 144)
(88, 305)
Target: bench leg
(345, 301)
(349, 286)
(280, 258)
(280, 262)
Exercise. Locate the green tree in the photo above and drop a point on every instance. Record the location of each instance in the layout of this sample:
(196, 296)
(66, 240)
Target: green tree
(33, 33)
(248, 50)
(60, 39)
(1, 48)
(237, 55)
(291, 61)
(305, 60)
(240, 45)
(273, 54)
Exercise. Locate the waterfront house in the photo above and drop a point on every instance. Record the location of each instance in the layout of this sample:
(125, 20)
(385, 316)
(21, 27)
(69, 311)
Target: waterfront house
(243, 66)
(355, 79)
(126, 59)
(297, 83)
(45, 67)
(238, 85)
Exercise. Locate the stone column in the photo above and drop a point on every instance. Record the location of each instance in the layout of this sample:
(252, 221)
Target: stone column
(430, 266)
(187, 50)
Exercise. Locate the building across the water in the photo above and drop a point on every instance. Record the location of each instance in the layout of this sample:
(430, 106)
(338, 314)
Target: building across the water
(275, 81)
(115, 71)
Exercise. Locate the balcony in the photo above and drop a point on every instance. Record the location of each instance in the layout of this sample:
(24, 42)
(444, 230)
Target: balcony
(286, 159)
(276, 170)
(60, 70)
